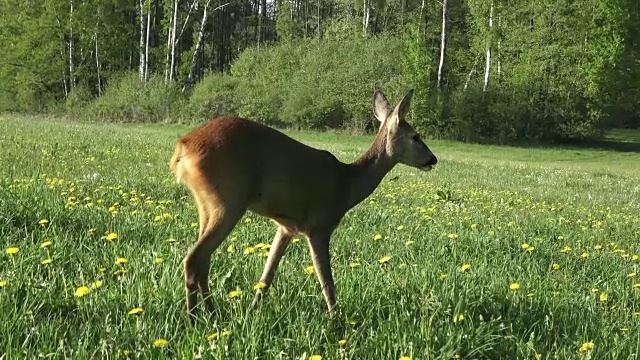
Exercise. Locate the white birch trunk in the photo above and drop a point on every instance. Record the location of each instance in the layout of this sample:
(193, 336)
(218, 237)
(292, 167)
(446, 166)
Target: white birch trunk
(488, 61)
(499, 53)
(173, 40)
(168, 60)
(146, 47)
(143, 21)
(72, 80)
(365, 17)
(98, 64)
(442, 42)
(422, 18)
(198, 48)
(473, 69)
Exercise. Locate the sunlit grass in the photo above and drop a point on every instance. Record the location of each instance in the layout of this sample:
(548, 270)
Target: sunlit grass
(497, 253)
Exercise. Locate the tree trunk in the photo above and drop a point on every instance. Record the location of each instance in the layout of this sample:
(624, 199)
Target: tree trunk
(442, 41)
(146, 47)
(72, 80)
(173, 40)
(143, 21)
(488, 61)
(167, 59)
(98, 64)
(365, 17)
(473, 69)
(198, 49)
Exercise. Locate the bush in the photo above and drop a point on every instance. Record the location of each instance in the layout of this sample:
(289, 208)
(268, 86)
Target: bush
(214, 96)
(127, 98)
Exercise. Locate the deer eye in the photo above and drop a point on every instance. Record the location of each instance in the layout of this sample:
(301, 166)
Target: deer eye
(416, 138)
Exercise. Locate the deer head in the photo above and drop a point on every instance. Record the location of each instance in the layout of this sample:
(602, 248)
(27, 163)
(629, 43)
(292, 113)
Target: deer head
(403, 144)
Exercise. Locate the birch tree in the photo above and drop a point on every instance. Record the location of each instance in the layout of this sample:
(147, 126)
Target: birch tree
(487, 68)
(143, 22)
(442, 41)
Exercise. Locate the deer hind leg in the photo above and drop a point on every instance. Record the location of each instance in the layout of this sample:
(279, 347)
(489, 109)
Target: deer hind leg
(277, 250)
(217, 219)
(319, 248)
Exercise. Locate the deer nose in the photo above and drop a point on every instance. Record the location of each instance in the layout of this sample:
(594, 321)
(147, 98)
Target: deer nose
(433, 160)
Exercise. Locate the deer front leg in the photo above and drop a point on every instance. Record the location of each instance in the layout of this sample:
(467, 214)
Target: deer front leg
(319, 248)
(277, 250)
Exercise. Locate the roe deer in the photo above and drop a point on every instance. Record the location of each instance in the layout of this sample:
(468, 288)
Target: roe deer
(232, 165)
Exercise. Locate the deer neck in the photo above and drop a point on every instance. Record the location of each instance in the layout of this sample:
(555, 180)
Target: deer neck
(366, 173)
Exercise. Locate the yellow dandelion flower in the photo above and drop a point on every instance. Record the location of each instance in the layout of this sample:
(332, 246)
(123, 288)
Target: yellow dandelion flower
(585, 255)
(384, 259)
(465, 267)
(213, 336)
(82, 291)
(443, 276)
(225, 332)
(119, 272)
(400, 227)
(632, 274)
(514, 286)
(354, 264)
(309, 269)
(159, 260)
(604, 296)
(458, 318)
(111, 236)
(12, 250)
(636, 285)
(158, 218)
(46, 261)
(235, 293)
(538, 356)
(43, 221)
(635, 257)
(594, 290)
(525, 246)
(121, 260)
(259, 286)
(171, 240)
(409, 242)
(342, 342)
(96, 284)
(555, 266)
(230, 248)
(160, 343)
(377, 237)
(315, 357)
(249, 250)
(566, 249)
(136, 311)
(586, 346)
(452, 236)
(45, 244)
(3, 284)
(404, 358)
(597, 247)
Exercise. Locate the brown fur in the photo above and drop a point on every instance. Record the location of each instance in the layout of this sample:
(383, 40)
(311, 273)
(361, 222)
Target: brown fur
(232, 165)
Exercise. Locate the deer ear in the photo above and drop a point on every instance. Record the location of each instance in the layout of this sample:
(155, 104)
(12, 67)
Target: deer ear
(381, 107)
(404, 105)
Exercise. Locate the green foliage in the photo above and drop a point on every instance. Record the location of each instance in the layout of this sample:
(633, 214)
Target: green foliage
(559, 70)
(214, 96)
(311, 84)
(126, 98)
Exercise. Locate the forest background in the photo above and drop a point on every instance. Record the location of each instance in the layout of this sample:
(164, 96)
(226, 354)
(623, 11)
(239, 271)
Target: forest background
(502, 71)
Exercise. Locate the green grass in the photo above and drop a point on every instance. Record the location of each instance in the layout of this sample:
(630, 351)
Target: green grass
(478, 207)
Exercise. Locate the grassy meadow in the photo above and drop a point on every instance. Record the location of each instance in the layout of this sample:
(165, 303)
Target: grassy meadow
(498, 253)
